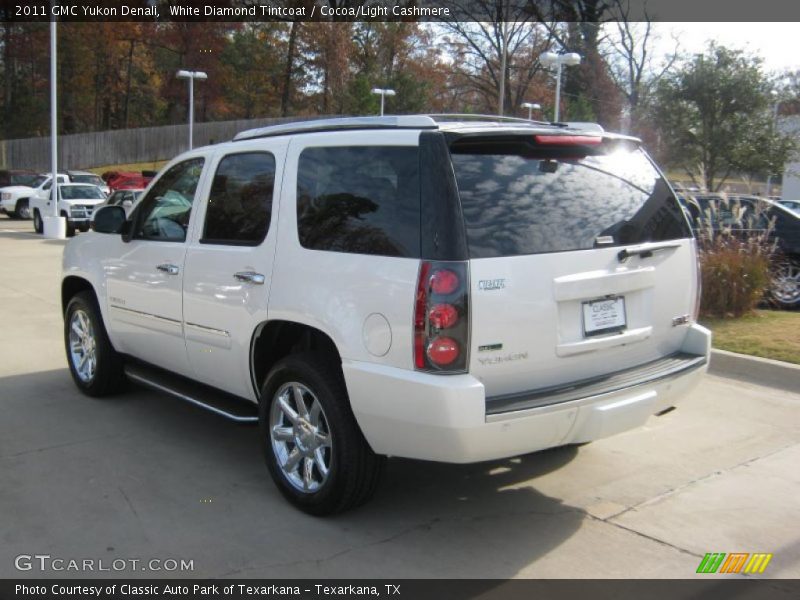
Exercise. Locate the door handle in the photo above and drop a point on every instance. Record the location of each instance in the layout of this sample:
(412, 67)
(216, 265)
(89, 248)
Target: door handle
(250, 277)
(168, 269)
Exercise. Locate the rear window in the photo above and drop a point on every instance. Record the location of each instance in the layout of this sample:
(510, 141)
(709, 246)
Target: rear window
(516, 204)
(729, 212)
(25, 179)
(360, 199)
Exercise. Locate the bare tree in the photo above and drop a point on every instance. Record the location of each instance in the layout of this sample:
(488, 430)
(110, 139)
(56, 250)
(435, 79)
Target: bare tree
(634, 67)
(496, 46)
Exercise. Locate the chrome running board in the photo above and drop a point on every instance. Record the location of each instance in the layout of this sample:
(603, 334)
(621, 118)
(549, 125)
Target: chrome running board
(211, 399)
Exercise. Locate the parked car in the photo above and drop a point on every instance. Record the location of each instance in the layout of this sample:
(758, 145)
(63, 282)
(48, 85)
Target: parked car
(124, 198)
(76, 202)
(792, 205)
(753, 215)
(15, 200)
(90, 178)
(443, 288)
(122, 180)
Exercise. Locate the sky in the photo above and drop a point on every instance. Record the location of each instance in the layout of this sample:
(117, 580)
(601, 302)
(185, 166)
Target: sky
(777, 43)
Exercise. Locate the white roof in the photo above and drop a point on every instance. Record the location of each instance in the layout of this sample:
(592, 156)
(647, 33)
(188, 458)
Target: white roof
(465, 123)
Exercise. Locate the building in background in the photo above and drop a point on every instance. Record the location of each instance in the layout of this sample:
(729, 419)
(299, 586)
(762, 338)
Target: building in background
(791, 172)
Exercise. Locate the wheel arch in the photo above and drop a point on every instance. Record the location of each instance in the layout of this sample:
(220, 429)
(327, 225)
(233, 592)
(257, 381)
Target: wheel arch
(74, 284)
(275, 339)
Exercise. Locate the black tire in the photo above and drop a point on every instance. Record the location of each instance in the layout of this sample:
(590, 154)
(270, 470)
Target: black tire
(21, 209)
(70, 228)
(353, 468)
(108, 376)
(38, 225)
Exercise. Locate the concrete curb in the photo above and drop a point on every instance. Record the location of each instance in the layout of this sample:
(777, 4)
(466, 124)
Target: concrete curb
(765, 371)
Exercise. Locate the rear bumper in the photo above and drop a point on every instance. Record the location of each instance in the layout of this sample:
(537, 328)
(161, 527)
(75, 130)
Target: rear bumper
(444, 418)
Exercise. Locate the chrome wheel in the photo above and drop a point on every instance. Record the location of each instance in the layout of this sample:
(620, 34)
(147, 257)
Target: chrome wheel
(786, 283)
(82, 346)
(300, 437)
(24, 211)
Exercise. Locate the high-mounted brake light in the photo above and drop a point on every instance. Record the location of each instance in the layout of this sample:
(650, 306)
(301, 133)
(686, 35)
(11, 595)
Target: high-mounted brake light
(441, 317)
(568, 140)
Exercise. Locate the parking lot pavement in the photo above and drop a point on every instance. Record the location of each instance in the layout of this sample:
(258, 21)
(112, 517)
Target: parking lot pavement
(145, 476)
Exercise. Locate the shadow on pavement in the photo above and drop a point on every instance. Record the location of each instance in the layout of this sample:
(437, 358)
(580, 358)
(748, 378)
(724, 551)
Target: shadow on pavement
(143, 474)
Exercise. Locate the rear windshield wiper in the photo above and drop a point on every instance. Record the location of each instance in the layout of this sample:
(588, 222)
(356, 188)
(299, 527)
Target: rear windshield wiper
(645, 250)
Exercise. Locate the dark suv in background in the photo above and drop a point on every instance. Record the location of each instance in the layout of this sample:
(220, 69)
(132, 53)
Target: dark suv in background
(751, 215)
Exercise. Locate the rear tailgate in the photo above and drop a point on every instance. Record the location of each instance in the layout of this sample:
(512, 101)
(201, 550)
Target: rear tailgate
(582, 263)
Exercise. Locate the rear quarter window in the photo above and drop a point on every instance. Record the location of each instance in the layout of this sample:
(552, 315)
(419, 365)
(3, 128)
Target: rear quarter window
(359, 199)
(529, 203)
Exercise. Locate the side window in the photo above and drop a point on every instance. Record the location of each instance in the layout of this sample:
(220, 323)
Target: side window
(47, 185)
(168, 205)
(240, 202)
(756, 214)
(360, 199)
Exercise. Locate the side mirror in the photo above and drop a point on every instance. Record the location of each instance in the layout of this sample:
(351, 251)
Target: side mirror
(109, 219)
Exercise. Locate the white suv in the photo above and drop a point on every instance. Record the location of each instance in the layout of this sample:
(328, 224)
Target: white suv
(443, 288)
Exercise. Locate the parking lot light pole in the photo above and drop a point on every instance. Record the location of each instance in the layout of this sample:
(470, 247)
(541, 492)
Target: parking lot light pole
(53, 225)
(551, 59)
(191, 76)
(383, 93)
(531, 106)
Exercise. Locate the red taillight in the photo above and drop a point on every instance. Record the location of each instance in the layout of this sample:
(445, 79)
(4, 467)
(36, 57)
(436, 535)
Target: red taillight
(442, 351)
(443, 316)
(444, 282)
(420, 309)
(698, 292)
(568, 140)
(442, 303)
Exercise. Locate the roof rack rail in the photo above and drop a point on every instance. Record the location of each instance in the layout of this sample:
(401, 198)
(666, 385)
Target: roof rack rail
(339, 124)
(477, 117)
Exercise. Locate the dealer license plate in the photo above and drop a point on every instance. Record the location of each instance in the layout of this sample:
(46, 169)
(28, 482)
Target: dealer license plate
(604, 316)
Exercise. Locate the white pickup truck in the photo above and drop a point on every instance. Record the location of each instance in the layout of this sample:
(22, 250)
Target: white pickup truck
(76, 202)
(15, 199)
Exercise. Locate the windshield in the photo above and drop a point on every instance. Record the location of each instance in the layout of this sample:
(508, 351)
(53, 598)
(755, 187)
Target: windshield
(93, 179)
(81, 192)
(520, 202)
(26, 179)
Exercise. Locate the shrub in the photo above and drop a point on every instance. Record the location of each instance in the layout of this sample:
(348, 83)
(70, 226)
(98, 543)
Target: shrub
(735, 274)
(735, 256)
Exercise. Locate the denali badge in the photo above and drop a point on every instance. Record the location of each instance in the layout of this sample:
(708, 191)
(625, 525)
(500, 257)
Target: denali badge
(496, 360)
(491, 284)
